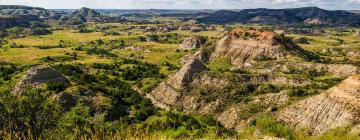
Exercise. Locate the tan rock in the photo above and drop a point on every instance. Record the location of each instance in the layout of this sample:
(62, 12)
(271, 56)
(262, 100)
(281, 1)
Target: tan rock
(336, 107)
(194, 42)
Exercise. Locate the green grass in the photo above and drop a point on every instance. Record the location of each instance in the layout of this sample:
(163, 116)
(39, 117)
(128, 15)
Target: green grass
(65, 35)
(220, 64)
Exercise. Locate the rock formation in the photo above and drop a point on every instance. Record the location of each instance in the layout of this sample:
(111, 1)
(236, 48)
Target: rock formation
(193, 42)
(167, 93)
(242, 45)
(38, 75)
(336, 107)
(194, 89)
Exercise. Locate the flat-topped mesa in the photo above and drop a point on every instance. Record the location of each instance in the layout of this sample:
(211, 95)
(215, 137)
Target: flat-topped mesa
(241, 45)
(336, 107)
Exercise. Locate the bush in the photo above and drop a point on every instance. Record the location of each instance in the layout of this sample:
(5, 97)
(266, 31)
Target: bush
(268, 126)
(56, 86)
(267, 88)
(32, 115)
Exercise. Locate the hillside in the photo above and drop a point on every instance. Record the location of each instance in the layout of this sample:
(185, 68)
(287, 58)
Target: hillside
(17, 10)
(162, 74)
(243, 78)
(85, 15)
(20, 20)
(336, 107)
(307, 15)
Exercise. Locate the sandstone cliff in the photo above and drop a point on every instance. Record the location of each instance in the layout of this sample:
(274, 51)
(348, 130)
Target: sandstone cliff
(336, 107)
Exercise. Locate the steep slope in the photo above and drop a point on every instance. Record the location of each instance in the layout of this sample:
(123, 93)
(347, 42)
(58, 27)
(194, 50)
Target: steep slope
(306, 15)
(193, 42)
(168, 93)
(336, 107)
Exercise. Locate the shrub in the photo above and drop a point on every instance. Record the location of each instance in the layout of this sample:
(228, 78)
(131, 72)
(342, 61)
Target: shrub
(268, 126)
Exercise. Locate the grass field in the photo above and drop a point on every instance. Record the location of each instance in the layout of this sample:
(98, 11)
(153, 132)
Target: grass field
(65, 35)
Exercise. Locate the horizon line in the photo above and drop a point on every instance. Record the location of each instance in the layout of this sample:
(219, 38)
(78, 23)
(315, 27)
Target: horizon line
(182, 8)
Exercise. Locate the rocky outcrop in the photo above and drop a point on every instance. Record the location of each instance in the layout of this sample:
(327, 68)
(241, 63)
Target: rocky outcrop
(336, 107)
(242, 45)
(38, 75)
(194, 42)
(168, 92)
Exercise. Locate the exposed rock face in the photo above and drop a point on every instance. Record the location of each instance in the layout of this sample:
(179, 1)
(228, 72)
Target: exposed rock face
(193, 42)
(196, 90)
(336, 107)
(242, 45)
(39, 75)
(168, 92)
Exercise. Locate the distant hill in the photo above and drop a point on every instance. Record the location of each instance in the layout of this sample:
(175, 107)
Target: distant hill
(86, 15)
(69, 18)
(306, 15)
(81, 16)
(354, 11)
(18, 10)
(20, 20)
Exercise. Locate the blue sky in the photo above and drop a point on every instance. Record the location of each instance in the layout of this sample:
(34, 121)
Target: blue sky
(187, 4)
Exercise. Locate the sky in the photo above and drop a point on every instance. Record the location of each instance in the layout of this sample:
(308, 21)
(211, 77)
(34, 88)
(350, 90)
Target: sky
(186, 4)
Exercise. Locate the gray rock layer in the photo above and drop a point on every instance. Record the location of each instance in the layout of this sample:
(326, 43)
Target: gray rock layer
(39, 75)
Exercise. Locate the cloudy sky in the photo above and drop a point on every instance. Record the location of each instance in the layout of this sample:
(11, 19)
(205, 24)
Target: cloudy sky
(186, 4)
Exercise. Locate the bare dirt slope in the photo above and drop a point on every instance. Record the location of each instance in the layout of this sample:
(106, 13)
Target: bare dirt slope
(336, 107)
